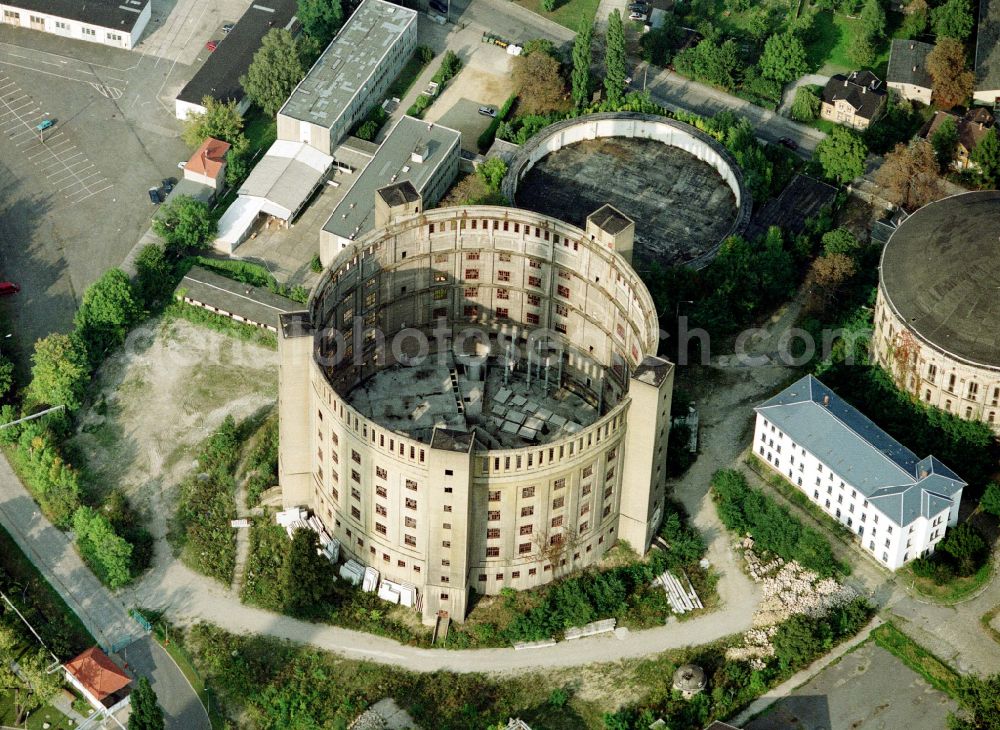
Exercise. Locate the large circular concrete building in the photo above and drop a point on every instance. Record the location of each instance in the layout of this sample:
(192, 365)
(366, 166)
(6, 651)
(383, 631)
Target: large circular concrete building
(937, 319)
(473, 399)
(682, 188)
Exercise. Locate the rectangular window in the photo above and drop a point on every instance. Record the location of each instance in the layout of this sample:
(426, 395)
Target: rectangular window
(557, 521)
(411, 485)
(503, 294)
(527, 492)
(471, 274)
(493, 533)
(502, 313)
(558, 502)
(493, 552)
(411, 503)
(494, 496)
(380, 510)
(380, 528)
(410, 540)
(524, 548)
(493, 515)
(447, 508)
(410, 522)
(584, 526)
(562, 291)
(559, 484)
(535, 281)
(355, 513)
(531, 318)
(503, 275)
(527, 511)
(525, 529)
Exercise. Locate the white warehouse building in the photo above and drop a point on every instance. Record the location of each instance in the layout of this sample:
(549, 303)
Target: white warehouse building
(118, 23)
(898, 506)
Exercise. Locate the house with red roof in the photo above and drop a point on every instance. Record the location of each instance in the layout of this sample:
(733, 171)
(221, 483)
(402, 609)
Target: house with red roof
(104, 685)
(207, 165)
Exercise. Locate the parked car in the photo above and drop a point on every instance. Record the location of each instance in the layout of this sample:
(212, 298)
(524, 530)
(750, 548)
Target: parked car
(487, 111)
(789, 143)
(636, 16)
(168, 185)
(228, 27)
(212, 45)
(45, 124)
(154, 196)
(8, 287)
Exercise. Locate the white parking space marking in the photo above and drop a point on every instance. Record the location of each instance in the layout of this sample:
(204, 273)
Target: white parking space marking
(108, 81)
(65, 167)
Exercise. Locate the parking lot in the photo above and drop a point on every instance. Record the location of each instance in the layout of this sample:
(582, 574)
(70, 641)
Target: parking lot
(73, 202)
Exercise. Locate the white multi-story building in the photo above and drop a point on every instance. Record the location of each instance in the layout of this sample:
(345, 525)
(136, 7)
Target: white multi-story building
(898, 506)
(110, 22)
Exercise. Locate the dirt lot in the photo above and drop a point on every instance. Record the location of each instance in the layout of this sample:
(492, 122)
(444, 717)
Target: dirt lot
(171, 385)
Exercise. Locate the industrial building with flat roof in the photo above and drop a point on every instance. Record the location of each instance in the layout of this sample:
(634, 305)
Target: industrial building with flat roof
(937, 309)
(987, 65)
(219, 76)
(117, 23)
(353, 73)
(424, 154)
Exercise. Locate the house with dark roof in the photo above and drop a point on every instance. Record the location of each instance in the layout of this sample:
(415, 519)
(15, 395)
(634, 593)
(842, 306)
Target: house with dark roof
(855, 100)
(971, 127)
(908, 74)
(219, 77)
(897, 504)
(117, 23)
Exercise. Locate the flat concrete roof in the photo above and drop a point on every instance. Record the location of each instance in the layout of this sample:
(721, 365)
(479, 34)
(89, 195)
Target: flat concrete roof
(219, 76)
(393, 163)
(254, 303)
(988, 46)
(348, 63)
(939, 272)
(113, 14)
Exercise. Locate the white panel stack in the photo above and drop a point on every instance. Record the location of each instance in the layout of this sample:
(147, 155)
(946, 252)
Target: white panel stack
(353, 572)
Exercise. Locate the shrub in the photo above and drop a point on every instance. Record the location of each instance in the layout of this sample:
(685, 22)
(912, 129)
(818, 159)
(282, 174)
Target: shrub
(367, 131)
(51, 481)
(315, 265)
(425, 54)
(107, 554)
(774, 529)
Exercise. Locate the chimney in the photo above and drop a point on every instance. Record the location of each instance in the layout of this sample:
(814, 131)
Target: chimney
(826, 400)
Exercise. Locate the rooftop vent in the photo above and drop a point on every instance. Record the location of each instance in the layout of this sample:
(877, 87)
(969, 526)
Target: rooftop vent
(419, 153)
(826, 400)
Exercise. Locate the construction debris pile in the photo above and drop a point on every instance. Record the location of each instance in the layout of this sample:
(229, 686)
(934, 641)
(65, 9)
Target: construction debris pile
(788, 589)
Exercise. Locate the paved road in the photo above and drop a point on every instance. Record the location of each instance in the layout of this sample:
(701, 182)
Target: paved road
(676, 92)
(788, 98)
(104, 615)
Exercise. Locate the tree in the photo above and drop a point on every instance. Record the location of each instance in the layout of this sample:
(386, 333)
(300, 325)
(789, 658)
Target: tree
(154, 274)
(548, 5)
(909, 176)
(107, 312)
(59, 372)
(784, 58)
(826, 278)
(321, 19)
(6, 376)
(306, 578)
(109, 556)
(965, 546)
(33, 685)
(872, 20)
(806, 106)
(842, 155)
(492, 173)
(943, 141)
(991, 499)
(236, 167)
(221, 120)
(614, 60)
(951, 81)
(953, 19)
(840, 241)
(275, 70)
(711, 63)
(862, 50)
(539, 84)
(146, 713)
(977, 697)
(658, 43)
(915, 19)
(185, 223)
(581, 64)
(986, 156)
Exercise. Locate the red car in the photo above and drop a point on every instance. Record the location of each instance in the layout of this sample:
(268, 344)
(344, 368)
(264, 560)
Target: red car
(7, 288)
(212, 45)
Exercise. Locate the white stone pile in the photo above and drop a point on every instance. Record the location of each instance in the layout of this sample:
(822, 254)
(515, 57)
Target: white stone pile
(788, 589)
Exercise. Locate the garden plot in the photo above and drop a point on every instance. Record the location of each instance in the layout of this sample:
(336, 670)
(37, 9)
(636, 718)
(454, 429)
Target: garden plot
(157, 399)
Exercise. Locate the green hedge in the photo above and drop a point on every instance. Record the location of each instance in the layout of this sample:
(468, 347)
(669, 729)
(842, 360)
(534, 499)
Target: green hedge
(743, 510)
(489, 134)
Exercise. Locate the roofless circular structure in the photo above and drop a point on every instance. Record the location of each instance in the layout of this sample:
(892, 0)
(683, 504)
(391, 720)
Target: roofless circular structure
(939, 304)
(682, 188)
(473, 399)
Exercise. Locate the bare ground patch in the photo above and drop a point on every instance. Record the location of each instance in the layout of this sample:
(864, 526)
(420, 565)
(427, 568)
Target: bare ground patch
(158, 398)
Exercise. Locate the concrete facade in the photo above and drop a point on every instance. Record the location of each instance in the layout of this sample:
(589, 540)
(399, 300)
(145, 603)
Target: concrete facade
(934, 324)
(100, 21)
(354, 72)
(453, 509)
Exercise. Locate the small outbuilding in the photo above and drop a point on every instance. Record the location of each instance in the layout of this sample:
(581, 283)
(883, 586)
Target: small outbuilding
(102, 682)
(689, 680)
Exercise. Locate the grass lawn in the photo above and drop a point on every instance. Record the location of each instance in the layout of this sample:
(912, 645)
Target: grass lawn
(570, 13)
(935, 671)
(830, 51)
(406, 77)
(47, 716)
(260, 129)
(954, 590)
